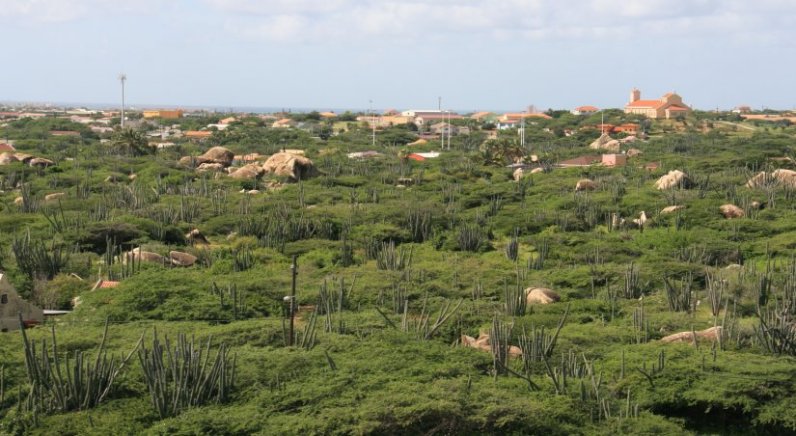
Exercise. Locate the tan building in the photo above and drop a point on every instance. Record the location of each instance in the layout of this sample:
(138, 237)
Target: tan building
(11, 305)
(165, 114)
(383, 121)
(669, 106)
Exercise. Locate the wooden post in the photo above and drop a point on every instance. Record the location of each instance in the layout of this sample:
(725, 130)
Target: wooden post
(292, 307)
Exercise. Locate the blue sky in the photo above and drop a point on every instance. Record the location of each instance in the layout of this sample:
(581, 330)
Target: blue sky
(324, 54)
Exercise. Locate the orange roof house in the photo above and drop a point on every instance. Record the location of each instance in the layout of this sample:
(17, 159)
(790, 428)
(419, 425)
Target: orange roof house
(668, 106)
(584, 110)
(6, 147)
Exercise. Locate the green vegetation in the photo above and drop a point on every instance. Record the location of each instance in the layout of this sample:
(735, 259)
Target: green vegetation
(398, 262)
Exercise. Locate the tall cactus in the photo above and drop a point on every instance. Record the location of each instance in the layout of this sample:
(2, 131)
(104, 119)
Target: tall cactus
(188, 376)
(58, 386)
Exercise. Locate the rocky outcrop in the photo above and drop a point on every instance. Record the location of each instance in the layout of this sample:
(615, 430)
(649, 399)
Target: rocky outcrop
(672, 209)
(54, 196)
(247, 172)
(605, 142)
(673, 179)
(711, 334)
(541, 296)
(209, 167)
(179, 258)
(731, 211)
(40, 162)
(585, 185)
(289, 165)
(196, 237)
(219, 155)
(7, 158)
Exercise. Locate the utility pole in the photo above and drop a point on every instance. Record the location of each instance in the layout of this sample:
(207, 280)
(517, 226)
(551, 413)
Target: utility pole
(292, 298)
(122, 79)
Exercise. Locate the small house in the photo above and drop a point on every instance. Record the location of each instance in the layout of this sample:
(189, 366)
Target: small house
(12, 305)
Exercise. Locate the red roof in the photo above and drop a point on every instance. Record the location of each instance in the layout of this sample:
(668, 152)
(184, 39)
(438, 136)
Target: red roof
(416, 157)
(587, 109)
(675, 107)
(646, 103)
(108, 284)
(7, 147)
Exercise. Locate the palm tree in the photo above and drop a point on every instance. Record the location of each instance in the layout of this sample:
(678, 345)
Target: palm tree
(131, 142)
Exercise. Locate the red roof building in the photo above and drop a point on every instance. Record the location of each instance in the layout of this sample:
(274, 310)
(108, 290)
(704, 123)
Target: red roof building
(668, 106)
(585, 110)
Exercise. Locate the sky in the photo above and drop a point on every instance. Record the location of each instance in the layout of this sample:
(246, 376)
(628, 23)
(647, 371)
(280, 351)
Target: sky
(325, 54)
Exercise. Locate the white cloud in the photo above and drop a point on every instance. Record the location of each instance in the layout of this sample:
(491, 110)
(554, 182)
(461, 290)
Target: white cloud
(325, 20)
(50, 11)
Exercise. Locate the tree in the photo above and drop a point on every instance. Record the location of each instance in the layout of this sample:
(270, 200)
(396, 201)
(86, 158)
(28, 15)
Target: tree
(131, 142)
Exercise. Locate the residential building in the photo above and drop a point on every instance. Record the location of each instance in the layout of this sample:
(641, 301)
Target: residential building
(198, 134)
(163, 113)
(382, 121)
(614, 160)
(12, 306)
(742, 110)
(669, 106)
(585, 110)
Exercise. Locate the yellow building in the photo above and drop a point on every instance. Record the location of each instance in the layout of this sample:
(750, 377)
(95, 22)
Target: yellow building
(669, 106)
(165, 114)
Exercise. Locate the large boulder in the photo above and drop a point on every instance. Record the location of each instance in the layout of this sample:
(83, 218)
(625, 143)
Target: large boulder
(24, 157)
(191, 161)
(196, 237)
(672, 209)
(781, 177)
(586, 185)
(711, 334)
(218, 155)
(731, 211)
(605, 142)
(7, 158)
(291, 166)
(633, 152)
(40, 162)
(210, 166)
(673, 179)
(785, 177)
(758, 180)
(179, 258)
(482, 343)
(54, 196)
(541, 296)
(247, 172)
(139, 255)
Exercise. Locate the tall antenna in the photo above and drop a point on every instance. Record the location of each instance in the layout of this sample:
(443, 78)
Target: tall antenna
(122, 79)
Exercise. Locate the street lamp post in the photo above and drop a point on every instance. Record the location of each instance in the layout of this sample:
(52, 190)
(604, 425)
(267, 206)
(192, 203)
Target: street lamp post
(122, 79)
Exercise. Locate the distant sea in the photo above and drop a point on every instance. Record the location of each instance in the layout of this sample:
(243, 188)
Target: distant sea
(215, 109)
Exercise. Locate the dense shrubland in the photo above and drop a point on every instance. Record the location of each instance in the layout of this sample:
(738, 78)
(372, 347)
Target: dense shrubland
(388, 280)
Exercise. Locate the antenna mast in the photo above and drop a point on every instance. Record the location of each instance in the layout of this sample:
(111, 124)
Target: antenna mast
(122, 79)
